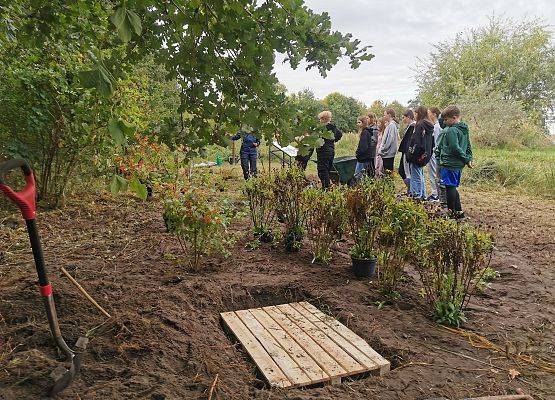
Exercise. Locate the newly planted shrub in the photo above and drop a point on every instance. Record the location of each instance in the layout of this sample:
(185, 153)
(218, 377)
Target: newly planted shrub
(288, 187)
(199, 224)
(403, 224)
(325, 220)
(260, 197)
(452, 260)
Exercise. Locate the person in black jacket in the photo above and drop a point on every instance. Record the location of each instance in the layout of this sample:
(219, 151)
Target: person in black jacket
(419, 152)
(404, 169)
(366, 149)
(326, 152)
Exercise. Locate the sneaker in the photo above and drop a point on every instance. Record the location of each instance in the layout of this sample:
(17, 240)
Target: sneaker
(432, 198)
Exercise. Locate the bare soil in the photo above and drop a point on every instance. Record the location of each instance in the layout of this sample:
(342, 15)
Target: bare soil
(173, 344)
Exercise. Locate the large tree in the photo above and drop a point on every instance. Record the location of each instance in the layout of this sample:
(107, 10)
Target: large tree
(345, 110)
(516, 60)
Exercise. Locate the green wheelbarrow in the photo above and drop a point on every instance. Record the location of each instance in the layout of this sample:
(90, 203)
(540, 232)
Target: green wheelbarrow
(343, 170)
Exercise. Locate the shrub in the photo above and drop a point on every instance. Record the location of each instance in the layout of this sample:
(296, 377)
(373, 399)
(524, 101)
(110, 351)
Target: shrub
(199, 223)
(452, 260)
(366, 204)
(260, 198)
(402, 227)
(288, 187)
(325, 220)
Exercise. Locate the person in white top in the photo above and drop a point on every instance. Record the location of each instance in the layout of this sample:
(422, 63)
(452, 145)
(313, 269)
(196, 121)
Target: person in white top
(433, 115)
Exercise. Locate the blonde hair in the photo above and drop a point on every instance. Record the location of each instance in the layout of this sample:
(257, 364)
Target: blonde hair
(325, 115)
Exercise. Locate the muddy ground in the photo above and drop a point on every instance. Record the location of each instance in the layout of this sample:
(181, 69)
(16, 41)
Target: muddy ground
(172, 344)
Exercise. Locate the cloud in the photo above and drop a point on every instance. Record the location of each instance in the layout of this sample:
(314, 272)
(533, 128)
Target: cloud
(400, 32)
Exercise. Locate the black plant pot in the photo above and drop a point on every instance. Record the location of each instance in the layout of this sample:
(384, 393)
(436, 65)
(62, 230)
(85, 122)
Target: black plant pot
(363, 268)
(293, 241)
(266, 237)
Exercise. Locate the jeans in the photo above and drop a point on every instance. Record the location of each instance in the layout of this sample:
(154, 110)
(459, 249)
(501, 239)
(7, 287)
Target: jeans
(417, 183)
(360, 169)
(432, 173)
(248, 164)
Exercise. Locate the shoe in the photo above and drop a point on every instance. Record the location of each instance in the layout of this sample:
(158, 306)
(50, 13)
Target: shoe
(432, 198)
(458, 215)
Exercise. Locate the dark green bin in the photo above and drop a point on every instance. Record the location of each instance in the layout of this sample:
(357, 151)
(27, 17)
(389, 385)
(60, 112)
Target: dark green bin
(343, 169)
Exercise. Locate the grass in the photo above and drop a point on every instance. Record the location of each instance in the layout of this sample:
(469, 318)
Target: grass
(530, 171)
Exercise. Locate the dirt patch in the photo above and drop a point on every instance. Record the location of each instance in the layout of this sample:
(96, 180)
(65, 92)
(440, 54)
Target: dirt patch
(172, 344)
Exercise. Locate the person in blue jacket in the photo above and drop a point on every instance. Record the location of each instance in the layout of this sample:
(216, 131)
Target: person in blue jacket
(248, 152)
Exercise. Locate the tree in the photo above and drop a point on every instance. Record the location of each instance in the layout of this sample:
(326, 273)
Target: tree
(345, 110)
(377, 107)
(516, 60)
(305, 102)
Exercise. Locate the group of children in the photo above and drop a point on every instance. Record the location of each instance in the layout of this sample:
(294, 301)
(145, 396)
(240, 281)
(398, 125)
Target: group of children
(439, 140)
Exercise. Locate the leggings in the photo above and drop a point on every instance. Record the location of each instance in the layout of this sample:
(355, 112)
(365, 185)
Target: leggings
(453, 198)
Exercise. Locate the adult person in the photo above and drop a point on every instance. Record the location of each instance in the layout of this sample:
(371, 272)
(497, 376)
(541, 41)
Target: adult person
(433, 115)
(390, 140)
(326, 152)
(404, 169)
(248, 152)
(378, 173)
(419, 152)
(366, 149)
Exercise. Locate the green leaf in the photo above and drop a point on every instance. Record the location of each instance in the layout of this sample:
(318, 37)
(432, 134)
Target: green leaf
(114, 127)
(135, 22)
(88, 79)
(118, 184)
(118, 18)
(328, 135)
(140, 190)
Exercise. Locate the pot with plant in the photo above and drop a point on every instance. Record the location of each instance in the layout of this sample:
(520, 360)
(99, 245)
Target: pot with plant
(365, 204)
(287, 192)
(258, 191)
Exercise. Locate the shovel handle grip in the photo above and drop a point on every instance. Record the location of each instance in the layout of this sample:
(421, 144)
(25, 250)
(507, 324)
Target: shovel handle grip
(25, 198)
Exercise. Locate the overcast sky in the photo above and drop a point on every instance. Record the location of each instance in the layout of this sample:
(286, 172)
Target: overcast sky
(399, 31)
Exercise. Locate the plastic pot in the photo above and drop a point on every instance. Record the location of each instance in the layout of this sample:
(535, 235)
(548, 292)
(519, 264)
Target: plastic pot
(364, 268)
(293, 241)
(266, 237)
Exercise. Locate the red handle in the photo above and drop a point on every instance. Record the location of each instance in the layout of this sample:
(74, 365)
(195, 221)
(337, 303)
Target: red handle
(24, 199)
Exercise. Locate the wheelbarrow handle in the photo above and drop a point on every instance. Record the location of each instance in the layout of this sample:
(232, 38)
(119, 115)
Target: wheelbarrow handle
(25, 198)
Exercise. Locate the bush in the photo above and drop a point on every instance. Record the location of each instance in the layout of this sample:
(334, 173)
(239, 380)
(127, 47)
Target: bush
(288, 187)
(261, 200)
(451, 260)
(199, 223)
(325, 220)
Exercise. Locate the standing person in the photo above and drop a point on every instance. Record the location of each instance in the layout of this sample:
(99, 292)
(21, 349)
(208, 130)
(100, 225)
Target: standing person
(378, 160)
(433, 115)
(326, 152)
(248, 152)
(389, 140)
(453, 153)
(404, 170)
(419, 152)
(366, 149)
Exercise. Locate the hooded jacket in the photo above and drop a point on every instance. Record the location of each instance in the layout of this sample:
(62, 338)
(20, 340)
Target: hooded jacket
(390, 140)
(250, 142)
(404, 146)
(453, 149)
(421, 144)
(366, 149)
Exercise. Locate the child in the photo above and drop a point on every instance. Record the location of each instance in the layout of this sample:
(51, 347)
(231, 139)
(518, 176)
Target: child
(389, 140)
(326, 152)
(248, 152)
(419, 152)
(433, 115)
(366, 149)
(453, 153)
(379, 162)
(404, 170)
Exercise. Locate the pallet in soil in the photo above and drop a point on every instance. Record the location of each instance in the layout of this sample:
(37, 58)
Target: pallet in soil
(296, 345)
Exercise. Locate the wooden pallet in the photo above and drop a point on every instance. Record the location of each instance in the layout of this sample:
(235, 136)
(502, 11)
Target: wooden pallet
(297, 345)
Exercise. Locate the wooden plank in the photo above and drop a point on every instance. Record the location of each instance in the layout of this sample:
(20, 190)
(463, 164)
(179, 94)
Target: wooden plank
(349, 335)
(296, 352)
(288, 366)
(336, 352)
(351, 349)
(265, 363)
(323, 359)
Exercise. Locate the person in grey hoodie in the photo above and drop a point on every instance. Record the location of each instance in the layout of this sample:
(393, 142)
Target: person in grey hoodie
(390, 139)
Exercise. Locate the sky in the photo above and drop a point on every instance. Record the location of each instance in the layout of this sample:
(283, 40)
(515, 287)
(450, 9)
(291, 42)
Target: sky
(400, 32)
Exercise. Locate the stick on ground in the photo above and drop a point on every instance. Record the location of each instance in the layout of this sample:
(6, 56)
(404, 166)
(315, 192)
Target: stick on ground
(84, 292)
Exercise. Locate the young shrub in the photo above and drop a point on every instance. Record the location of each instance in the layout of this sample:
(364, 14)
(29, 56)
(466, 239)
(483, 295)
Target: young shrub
(403, 224)
(453, 260)
(325, 220)
(260, 197)
(288, 187)
(366, 204)
(199, 224)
